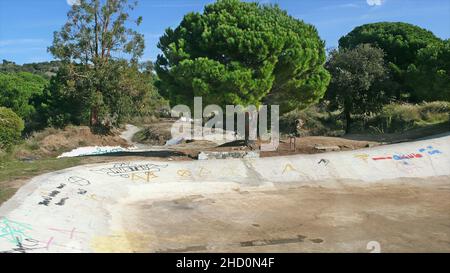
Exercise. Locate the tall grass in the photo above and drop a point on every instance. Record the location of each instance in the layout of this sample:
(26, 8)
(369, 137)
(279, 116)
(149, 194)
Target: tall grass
(396, 117)
(393, 118)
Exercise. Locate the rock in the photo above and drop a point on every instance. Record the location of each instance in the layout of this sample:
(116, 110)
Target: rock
(226, 155)
(174, 141)
(328, 148)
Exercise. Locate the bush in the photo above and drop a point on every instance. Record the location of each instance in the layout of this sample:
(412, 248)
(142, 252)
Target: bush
(11, 127)
(17, 91)
(401, 117)
(153, 135)
(317, 121)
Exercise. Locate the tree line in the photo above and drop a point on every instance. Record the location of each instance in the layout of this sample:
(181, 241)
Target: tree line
(233, 52)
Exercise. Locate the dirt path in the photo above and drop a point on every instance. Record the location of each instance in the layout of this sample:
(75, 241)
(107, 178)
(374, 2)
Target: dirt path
(129, 132)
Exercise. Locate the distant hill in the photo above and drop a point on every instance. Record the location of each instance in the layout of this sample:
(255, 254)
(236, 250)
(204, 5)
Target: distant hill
(44, 69)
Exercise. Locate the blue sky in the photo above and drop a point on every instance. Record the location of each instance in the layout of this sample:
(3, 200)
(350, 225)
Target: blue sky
(26, 26)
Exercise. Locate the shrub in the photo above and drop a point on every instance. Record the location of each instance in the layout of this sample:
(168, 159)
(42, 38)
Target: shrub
(11, 127)
(400, 117)
(317, 121)
(17, 91)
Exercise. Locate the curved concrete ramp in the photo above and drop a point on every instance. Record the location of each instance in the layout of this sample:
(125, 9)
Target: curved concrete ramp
(171, 206)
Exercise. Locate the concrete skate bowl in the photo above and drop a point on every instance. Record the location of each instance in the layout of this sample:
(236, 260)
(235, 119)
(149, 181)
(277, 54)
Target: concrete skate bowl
(125, 206)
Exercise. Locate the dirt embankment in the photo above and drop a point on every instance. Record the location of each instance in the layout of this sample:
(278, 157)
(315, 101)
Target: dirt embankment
(158, 133)
(52, 142)
(318, 144)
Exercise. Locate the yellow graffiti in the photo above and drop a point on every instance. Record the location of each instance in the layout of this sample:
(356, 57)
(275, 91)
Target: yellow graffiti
(289, 168)
(184, 173)
(143, 177)
(94, 197)
(203, 172)
(364, 157)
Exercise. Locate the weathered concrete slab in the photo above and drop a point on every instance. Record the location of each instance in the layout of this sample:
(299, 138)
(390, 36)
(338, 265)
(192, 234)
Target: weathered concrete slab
(92, 208)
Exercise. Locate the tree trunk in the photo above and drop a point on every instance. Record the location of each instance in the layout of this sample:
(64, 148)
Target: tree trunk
(94, 116)
(348, 121)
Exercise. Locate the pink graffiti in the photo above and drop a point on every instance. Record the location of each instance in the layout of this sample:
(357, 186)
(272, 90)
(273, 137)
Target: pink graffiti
(71, 232)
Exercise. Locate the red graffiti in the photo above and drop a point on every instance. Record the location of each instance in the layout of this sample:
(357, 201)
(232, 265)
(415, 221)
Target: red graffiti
(382, 158)
(398, 157)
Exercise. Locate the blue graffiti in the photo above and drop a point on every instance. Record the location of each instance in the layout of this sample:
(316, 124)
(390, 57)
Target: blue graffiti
(430, 150)
(403, 157)
(14, 232)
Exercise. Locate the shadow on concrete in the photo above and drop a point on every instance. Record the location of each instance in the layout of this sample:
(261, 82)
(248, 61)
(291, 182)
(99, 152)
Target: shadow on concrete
(162, 154)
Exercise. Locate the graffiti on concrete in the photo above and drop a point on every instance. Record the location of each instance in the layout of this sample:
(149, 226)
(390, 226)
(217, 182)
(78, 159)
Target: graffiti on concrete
(92, 151)
(200, 172)
(79, 181)
(203, 172)
(289, 168)
(407, 166)
(408, 156)
(363, 157)
(48, 198)
(421, 152)
(25, 246)
(45, 202)
(18, 235)
(71, 233)
(65, 189)
(125, 170)
(13, 231)
(62, 201)
(382, 158)
(324, 162)
(146, 177)
(184, 173)
(430, 150)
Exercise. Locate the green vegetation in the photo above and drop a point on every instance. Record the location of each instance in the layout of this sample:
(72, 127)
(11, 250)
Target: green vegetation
(317, 121)
(94, 85)
(152, 136)
(17, 90)
(359, 81)
(11, 127)
(242, 54)
(127, 91)
(396, 118)
(431, 74)
(43, 69)
(401, 43)
(392, 118)
(10, 170)
(13, 170)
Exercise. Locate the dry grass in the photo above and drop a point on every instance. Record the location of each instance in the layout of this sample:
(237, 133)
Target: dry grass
(52, 142)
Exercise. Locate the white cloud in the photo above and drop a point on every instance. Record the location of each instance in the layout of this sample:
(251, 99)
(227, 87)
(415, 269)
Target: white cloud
(375, 2)
(73, 2)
